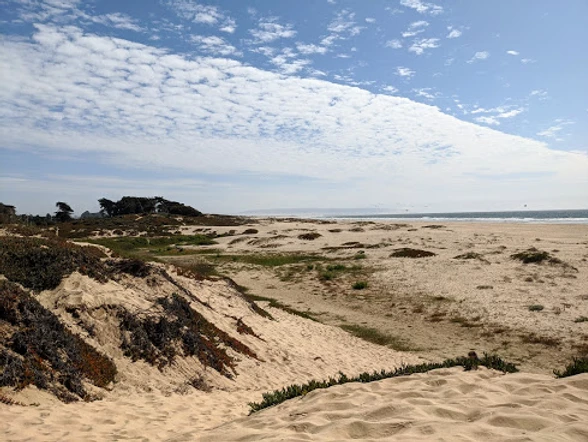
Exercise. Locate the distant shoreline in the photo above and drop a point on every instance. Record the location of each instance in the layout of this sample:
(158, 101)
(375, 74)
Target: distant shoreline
(579, 216)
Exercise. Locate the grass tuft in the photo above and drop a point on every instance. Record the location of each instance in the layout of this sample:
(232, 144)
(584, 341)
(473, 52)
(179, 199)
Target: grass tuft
(376, 337)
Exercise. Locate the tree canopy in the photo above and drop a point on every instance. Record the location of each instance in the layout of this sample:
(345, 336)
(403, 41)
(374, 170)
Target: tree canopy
(132, 205)
(64, 211)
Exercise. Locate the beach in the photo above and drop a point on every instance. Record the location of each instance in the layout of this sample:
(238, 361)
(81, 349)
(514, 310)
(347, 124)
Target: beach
(344, 296)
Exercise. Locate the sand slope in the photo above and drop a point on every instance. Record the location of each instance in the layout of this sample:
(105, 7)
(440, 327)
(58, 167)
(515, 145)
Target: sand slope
(445, 404)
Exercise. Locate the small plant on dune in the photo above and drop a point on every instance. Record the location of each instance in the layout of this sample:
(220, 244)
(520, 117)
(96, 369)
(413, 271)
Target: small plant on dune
(311, 236)
(411, 253)
(471, 255)
(577, 366)
(360, 285)
(581, 319)
(534, 256)
(536, 308)
(468, 362)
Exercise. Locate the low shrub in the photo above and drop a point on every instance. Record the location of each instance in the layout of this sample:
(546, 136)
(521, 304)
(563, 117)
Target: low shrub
(311, 236)
(40, 264)
(577, 366)
(534, 256)
(180, 331)
(536, 308)
(39, 350)
(406, 252)
(360, 285)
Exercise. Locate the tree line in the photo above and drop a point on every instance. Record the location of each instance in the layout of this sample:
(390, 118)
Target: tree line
(127, 205)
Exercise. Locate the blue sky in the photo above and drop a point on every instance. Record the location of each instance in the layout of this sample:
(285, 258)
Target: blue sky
(244, 105)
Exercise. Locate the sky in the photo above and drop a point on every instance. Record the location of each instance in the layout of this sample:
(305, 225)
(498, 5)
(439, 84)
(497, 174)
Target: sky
(232, 106)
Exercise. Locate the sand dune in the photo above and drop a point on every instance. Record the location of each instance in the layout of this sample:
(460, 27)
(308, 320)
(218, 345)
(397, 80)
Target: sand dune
(446, 404)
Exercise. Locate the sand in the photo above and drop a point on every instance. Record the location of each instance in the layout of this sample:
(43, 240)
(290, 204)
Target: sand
(416, 300)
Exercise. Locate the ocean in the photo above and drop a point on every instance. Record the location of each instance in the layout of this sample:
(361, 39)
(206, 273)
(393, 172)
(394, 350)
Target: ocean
(527, 216)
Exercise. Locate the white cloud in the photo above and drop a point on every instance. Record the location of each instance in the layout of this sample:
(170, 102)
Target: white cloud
(394, 44)
(203, 14)
(268, 30)
(528, 60)
(419, 24)
(390, 89)
(510, 114)
(420, 45)
(426, 92)
(422, 7)
(196, 12)
(500, 113)
(491, 121)
(229, 26)
(479, 56)
(404, 72)
(121, 103)
(453, 33)
(214, 45)
(310, 49)
(554, 131)
(540, 94)
(343, 25)
(370, 20)
(512, 52)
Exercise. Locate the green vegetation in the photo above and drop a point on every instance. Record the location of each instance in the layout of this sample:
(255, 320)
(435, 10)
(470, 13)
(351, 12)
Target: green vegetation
(311, 236)
(406, 252)
(277, 304)
(360, 285)
(534, 256)
(270, 260)
(128, 205)
(376, 337)
(40, 264)
(132, 246)
(63, 213)
(577, 366)
(181, 330)
(536, 308)
(37, 349)
(468, 363)
(472, 255)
